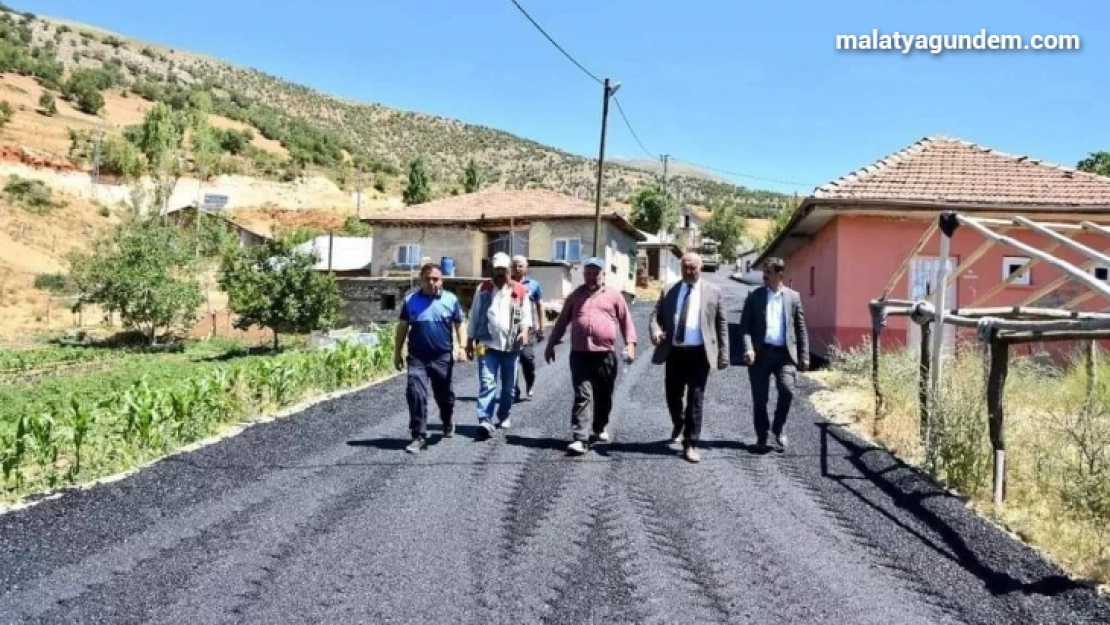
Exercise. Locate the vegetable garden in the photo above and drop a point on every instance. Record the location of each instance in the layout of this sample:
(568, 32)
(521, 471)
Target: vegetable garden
(76, 427)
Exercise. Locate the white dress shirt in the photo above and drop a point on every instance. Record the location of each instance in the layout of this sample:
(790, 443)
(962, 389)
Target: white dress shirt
(776, 318)
(693, 316)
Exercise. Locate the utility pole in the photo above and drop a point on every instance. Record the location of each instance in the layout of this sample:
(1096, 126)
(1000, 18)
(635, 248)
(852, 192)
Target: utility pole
(665, 158)
(96, 158)
(608, 93)
(358, 206)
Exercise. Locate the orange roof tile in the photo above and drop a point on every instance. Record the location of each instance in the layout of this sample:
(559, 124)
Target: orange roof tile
(949, 170)
(502, 205)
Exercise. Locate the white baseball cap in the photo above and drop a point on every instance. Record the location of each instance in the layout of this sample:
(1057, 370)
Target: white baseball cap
(501, 261)
(594, 261)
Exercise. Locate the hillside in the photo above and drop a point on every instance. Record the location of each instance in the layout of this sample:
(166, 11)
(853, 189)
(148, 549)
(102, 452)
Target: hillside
(302, 129)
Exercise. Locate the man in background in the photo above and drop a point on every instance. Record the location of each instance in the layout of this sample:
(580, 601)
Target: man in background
(690, 332)
(535, 308)
(429, 319)
(498, 331)
(594, 313)
(776, 343)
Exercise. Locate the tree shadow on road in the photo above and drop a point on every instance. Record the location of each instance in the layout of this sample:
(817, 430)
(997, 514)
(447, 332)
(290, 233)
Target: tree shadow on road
(912, 491)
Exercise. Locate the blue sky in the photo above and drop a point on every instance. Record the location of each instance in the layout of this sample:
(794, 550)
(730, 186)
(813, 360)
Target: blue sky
(753, 87)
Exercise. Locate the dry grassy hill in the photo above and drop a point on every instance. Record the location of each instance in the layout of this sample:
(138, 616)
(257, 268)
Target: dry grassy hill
(297, 117)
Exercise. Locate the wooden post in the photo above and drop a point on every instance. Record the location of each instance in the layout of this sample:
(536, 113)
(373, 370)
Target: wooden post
(1092, 367)
(938, 330)
(877, 323)
(996, 386)
(923, 386)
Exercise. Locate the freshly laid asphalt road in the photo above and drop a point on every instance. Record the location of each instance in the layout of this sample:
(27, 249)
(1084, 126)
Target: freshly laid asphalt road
(322, 518)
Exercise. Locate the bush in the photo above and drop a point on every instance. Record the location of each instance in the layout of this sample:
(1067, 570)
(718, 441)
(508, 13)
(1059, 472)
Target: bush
(56, 283)
(90, 101)
(32, 195)
(49, 106)
(6, 113)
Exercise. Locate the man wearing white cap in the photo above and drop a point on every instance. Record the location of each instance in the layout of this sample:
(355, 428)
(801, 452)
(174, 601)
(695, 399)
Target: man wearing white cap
(498, 330)
(594, 313)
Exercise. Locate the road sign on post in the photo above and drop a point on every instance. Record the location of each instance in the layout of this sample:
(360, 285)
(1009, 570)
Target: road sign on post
(214, 202)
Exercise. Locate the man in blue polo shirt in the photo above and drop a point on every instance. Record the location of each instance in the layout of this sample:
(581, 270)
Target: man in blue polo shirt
(535, 309)
(430, 319)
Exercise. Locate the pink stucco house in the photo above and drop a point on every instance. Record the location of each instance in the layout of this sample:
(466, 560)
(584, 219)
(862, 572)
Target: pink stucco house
(846, 240)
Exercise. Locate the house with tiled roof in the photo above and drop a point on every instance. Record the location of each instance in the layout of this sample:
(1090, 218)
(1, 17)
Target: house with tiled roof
(849, 237)
(463, 232)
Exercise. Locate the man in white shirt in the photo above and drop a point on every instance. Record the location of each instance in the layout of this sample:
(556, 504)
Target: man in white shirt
(499, 328)
(690, 332)
(776, 343)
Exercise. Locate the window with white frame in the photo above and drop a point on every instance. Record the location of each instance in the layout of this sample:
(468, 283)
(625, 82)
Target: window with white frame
(1101, 272)
(568, 250)
(408, 255)
(1013, 264)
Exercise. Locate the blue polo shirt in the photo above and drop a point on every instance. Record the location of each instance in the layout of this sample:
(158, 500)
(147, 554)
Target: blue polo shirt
(430, 320)
(535, 294)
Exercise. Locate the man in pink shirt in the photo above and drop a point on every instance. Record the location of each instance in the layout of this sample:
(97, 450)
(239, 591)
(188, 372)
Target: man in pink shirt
(594, 313)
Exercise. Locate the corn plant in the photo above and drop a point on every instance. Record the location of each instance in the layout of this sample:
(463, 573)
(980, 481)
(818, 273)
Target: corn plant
(41, 427)
(82, 418)
(142, 409)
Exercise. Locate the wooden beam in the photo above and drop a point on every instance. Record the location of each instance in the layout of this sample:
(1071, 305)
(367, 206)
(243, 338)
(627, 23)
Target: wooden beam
(996, 386)
(1015, 338)
(1075, 272)
(1065, 241)
(988, 221)
(971, 260)
(996, 289)
(1101, 322)
(925, 236)
(1095, 228)
(1079, 300)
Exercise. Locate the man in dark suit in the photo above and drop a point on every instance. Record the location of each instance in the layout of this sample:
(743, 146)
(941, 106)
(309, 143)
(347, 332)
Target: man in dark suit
(776, 343)
(690, 332)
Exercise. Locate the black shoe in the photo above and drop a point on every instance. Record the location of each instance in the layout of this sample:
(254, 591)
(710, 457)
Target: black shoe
(448, 430)
(761, 442)
(416, 445)
(780, 443)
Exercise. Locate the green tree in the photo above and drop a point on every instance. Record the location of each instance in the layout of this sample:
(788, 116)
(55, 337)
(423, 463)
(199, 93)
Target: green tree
(726, 226)
(143, 270)
(355, 227)
(274, 286)
(472, 179)
(418, 190)
(1096, 163)
(654, 210)
(49, 106)
(159, 139)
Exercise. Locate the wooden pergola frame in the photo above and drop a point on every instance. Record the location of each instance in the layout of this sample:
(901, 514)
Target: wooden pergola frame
(997, 327)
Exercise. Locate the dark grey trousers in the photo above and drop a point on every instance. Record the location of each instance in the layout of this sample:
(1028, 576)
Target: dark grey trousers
(594, 376)
(772, 362)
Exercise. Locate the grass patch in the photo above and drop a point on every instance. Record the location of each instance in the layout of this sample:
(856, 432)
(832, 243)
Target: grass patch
(1057, 444)
(69, 429)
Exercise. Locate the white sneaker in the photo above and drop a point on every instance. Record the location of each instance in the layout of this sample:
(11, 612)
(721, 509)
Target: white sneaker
(604, 436)
(577, 447)
(504, 425)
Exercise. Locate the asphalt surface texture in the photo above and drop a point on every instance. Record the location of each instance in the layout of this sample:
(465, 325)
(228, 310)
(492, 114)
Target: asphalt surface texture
(321, 517)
